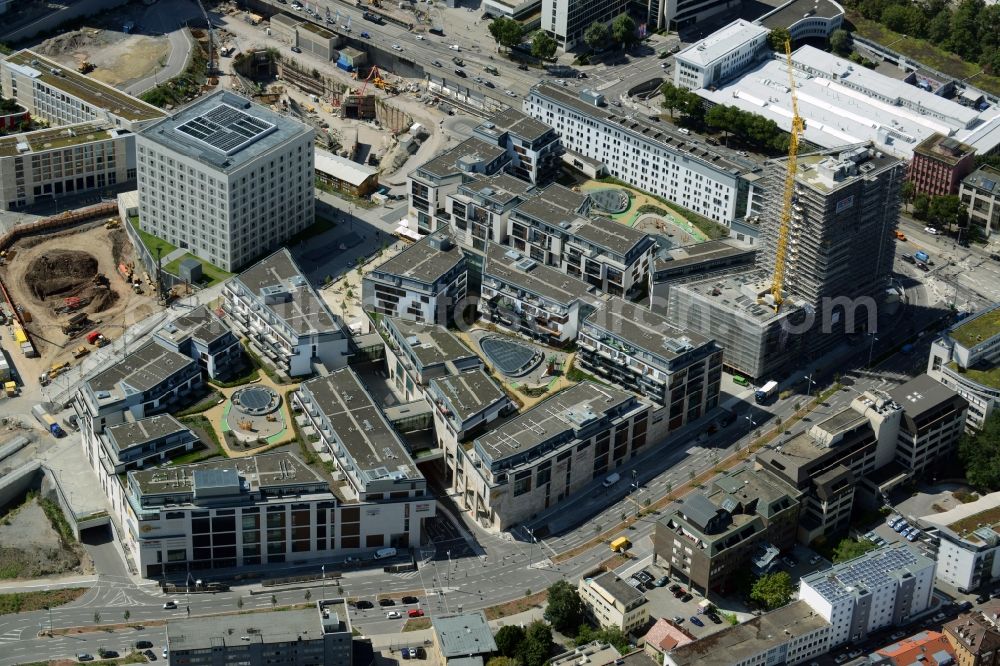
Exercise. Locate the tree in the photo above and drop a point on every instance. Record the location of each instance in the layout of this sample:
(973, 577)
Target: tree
(534, 650)
(508, 639)
(503, 661)
(565, 609)
(543, 45)
(127, 614)
(239, 603)
(772, 590)
(506, 32)
(673, 97)
(97, 618)
(980, 454)
(308, 595)
(597, 35)
(274, 601)
(841, 42)
(946, 210)
(777, 38)
(908, 191)
(623, 30)
(921, 204)
(617, 638)
(848, 549)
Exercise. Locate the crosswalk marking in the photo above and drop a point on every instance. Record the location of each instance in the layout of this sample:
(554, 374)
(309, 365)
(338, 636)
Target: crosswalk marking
(407, 574)
(11, 636)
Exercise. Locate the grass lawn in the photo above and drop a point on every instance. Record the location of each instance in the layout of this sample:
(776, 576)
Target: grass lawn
(517, 606)
(24, 602)
(210, 274)
(417, 623)
(925, 52)
(150, 241)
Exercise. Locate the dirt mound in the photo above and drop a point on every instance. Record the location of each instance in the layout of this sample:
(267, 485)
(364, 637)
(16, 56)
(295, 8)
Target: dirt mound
(61, 272)
(104, 299)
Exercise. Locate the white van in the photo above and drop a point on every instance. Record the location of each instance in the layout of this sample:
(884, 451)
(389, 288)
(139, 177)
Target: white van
(383, 553)
(612, 479)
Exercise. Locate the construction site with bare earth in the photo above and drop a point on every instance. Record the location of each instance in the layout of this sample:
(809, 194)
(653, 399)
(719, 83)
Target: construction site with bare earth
(67, 285)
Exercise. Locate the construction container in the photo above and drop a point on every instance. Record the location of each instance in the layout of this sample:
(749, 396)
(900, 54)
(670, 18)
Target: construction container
(10, 388)
(93, 336)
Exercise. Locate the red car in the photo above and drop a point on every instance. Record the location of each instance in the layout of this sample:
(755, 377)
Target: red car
(415, 612)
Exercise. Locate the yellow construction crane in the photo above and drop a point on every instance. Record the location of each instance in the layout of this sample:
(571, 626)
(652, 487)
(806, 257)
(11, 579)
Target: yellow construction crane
(798, 125)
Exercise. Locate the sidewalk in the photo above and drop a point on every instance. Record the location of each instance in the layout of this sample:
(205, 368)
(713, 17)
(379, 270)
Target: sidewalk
(45, 584)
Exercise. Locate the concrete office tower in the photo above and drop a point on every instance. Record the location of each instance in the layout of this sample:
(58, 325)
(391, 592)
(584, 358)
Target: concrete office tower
(226, 179)
(841, 236)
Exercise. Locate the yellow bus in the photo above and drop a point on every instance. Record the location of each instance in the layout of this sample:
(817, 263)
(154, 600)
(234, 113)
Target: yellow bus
(621, 544)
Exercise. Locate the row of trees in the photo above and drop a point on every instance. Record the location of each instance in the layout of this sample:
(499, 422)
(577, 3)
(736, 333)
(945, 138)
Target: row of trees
(940, 210)
(750, 128)
(970, 28)
(980, 454)
(508, 33)
(523, 647)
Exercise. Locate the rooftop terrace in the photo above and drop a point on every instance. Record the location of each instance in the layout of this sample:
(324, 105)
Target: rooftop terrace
(977, 328)
(54, 138)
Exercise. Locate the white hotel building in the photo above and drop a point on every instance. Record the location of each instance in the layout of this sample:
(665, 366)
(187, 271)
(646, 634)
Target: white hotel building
(720, 55)
(655, 157)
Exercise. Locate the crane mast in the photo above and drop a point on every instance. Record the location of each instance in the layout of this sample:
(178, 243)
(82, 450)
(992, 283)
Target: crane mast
(798, 125)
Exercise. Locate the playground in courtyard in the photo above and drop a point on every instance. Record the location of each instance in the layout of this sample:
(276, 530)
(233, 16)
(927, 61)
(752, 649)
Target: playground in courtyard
(642, 211)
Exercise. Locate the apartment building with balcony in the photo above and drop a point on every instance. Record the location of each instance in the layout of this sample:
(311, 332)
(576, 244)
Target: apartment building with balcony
(710, 180)
(968, 552)
(279, 312)
(150, 380)
(520, 294)
(711, 259)
(464, 405)
(49, 163)
(611, 603)
(939, 164)
(429, 185)
(533, 147)
(933, 421)
(966, 359)
(203, 336)
(885, 587)
(371, 461)
(551, 229)
(138, 444)
(417, 353)
(425, 282)
(980, 192)
(61, 96)
(742, 522)
(548, 453)
(641, 351)
(481, 206)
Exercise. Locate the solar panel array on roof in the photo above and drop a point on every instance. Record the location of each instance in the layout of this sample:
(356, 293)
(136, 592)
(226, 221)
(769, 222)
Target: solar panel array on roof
(226, 129)
(866, 572)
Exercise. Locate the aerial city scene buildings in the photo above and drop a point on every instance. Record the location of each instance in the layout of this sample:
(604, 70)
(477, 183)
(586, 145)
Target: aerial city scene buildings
(506, 334)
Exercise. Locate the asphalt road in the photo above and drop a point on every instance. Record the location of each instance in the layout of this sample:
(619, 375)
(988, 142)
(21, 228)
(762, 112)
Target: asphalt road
(167, 17)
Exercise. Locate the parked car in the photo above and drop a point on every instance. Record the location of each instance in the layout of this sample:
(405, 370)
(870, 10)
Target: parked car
(965, 606)
(142, 645)
(896, 636)
(922, 266)
(150, 655)
(421, 653)
(461, 73)
(510, 93)
(815, 559)
(365, 35)
(107, 654)
(940, 617)
(386, 602)
(296, 49)
(893, 519)
(410, 600)
(840, 659)
(696, 622)
(405, 652)
(678, 619)
(415, 612)
(165, 653)
(854, 653)
(85, 656)
(994, 256)
(932, 231)
(437, 63)
(686, 598)
(714, 618)
(982, 598)
(364, 605)
(393, 615)
(661, 581)
(900, 526)
(397, 47)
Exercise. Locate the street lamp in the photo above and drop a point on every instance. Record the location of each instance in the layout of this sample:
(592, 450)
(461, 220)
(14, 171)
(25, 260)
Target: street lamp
(635, 492)
(809, 388)
(531, 545)
(871, 348)
(323, 569)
